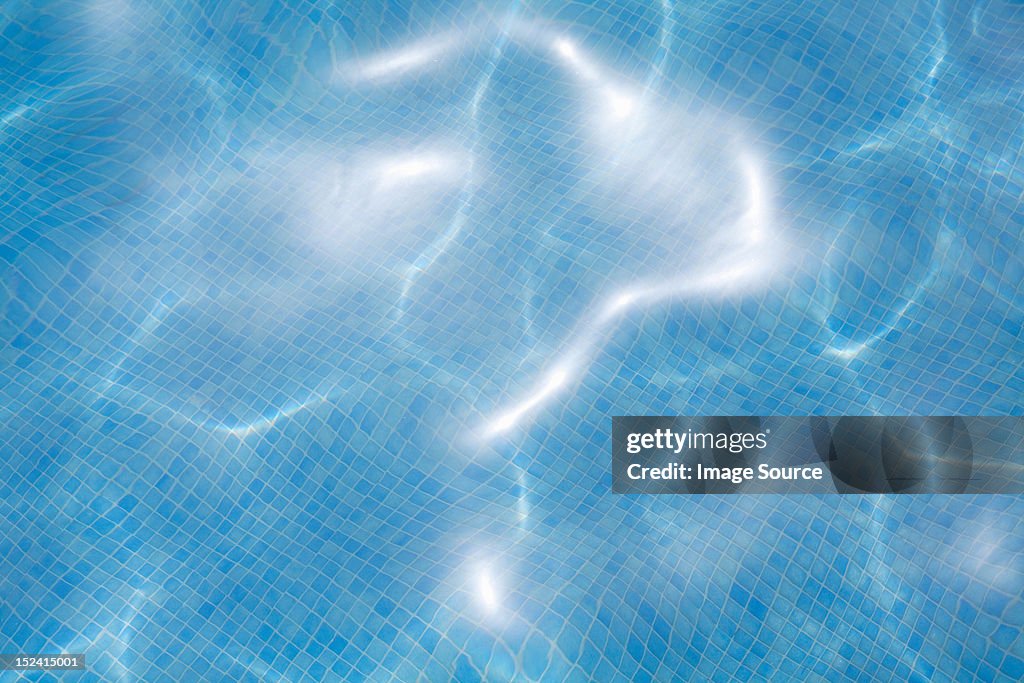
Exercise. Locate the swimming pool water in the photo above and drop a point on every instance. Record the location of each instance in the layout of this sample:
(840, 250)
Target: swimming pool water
(315, 314)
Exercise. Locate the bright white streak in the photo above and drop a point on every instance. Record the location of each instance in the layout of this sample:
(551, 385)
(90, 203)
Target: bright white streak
(395, 170)
(485, 589)
(617, 103)
(746, 269)
(12, 116)
(620, 105)
(571, 56)
(403, 60)
(554, 381)
(265, 423)
(757, 215)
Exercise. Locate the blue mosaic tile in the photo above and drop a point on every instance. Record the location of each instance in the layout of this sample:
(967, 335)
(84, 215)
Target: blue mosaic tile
(314, 316)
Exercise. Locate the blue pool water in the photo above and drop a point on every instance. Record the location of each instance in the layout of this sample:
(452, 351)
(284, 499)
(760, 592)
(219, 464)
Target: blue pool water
(314, 316)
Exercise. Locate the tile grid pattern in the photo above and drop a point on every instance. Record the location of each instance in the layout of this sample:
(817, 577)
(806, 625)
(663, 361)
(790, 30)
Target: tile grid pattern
(269, 271)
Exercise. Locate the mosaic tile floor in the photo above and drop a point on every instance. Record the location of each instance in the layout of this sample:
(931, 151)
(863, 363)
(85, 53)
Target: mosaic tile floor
(314, 315)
